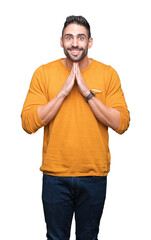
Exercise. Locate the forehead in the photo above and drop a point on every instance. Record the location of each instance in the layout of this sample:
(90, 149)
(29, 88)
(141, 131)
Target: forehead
(75, 29)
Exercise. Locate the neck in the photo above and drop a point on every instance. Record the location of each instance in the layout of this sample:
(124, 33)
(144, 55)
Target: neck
(84, 63)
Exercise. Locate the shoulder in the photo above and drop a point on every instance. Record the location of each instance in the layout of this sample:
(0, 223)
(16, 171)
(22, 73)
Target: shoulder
(51, 65)
(47, 67)
(110, 74)
(100, 66)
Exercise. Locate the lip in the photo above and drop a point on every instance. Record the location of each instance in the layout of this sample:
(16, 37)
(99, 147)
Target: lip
(75, 52)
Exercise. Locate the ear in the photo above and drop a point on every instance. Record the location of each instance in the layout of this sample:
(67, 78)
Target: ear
(90, 42)
(61, 42)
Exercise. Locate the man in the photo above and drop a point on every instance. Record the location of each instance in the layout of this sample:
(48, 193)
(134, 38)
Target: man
(76, 99)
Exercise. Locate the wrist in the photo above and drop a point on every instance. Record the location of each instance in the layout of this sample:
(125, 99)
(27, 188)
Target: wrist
(86, 93)
(89, 96)
(62, 94)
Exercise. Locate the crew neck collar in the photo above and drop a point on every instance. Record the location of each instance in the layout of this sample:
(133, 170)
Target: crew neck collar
(86, 69)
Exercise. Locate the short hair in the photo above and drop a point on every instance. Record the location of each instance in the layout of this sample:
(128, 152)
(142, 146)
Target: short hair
(78, 20)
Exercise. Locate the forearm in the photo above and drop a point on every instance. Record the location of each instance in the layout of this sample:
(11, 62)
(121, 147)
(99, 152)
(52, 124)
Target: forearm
(49, 111)
(110, 117)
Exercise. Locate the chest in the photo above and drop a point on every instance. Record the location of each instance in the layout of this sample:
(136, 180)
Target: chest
(95, 82)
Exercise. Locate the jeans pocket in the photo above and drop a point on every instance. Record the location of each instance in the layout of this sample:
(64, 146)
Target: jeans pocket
(95, 178)
(99, 178)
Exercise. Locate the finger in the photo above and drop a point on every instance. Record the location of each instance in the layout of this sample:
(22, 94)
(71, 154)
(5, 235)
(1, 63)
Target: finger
(72, 70)
(72, 67)
(75, 69)
(78, 70)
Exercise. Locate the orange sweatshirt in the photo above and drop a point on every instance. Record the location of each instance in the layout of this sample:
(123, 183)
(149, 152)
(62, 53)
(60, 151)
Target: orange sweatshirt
(75, 143)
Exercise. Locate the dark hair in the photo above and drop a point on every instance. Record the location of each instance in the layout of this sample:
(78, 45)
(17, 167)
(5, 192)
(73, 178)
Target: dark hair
(78, 20)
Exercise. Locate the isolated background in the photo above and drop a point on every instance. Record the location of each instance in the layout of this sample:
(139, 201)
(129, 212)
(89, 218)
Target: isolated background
(30, 36)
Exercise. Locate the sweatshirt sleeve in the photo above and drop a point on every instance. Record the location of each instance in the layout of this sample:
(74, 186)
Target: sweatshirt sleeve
(115, 99)
(36, 97)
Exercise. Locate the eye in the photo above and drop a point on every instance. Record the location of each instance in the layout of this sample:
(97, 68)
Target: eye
(81, 38)
(68, 38)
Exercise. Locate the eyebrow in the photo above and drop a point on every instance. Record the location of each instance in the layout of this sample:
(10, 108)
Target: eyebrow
(80, 34)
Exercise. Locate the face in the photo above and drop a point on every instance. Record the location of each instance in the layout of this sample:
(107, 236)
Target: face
(75, 42)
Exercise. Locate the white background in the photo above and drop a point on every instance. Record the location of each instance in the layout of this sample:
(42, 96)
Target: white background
(30, 36)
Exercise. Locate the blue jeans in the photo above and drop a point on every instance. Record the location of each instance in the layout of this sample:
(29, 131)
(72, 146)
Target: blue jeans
(63, 196)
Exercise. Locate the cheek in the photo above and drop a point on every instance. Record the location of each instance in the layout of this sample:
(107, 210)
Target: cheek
(84, 45)
(66, 45)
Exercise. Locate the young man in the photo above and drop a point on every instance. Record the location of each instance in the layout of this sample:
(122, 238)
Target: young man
(76, 99)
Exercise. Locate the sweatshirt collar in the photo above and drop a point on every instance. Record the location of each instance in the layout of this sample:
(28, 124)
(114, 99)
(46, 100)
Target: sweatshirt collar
(84, 70)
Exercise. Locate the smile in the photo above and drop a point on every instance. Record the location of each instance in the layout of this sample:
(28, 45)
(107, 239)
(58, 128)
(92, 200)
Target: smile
(75, 52)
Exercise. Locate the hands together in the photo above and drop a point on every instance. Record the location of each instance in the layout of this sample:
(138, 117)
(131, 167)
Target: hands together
(75, 75)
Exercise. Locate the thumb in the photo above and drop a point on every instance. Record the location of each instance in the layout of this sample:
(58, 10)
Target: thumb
(76, 66)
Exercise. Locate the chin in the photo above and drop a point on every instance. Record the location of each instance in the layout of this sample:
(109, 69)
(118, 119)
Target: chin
(76, 60)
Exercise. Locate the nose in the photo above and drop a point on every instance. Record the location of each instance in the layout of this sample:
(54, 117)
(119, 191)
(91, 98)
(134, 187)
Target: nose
(75, 42)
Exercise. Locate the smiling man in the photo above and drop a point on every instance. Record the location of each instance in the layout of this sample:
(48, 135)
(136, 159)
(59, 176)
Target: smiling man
(76, 51)
(76, 99)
